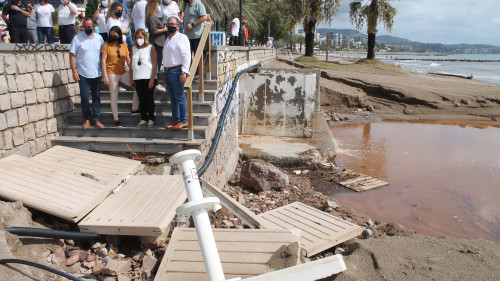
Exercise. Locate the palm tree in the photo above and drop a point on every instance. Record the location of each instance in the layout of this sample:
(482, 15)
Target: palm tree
(378, 11)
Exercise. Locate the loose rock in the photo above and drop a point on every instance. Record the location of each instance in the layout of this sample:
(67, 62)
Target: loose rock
(262, 176)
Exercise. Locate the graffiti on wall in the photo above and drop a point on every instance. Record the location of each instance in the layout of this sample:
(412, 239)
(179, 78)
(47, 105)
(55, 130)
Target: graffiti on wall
(226, 72)
(41, 47)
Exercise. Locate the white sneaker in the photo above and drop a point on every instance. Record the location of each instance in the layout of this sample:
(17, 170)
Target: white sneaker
(151, 123)
(121, 89)
(141, 123)
(160, 88)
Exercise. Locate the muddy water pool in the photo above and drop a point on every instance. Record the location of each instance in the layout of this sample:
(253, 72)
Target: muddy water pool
(444, 176)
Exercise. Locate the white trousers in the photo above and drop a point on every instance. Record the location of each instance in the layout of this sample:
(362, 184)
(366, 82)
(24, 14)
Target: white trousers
(114, 81)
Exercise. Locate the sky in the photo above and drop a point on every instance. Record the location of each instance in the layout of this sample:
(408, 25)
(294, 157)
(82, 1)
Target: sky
(437, 21)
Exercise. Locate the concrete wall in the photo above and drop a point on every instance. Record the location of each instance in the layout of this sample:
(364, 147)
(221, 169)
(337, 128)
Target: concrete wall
(36, 90)
(225, 64)
(278, 104)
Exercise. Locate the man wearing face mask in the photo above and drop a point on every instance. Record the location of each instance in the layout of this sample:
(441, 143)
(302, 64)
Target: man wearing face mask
(176, 62)
(66, 20)
(85, 61)
(18, 12)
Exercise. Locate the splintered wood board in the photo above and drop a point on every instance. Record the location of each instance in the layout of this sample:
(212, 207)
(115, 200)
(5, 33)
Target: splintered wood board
(107, 169)
(319, 230)
(144, 206)
(243, 253)
(359, 182)
(49, 189)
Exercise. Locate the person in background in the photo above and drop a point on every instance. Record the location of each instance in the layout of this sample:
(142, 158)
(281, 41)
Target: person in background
(100, 15)
(194, 17)
(66, 20)
(139, 15)
(45, 20)
(85, 64)
(144, 61)
(245, 31)
(80, 25)
(126, 17)
(115, 18)
(235, 28)
(114, 55)
(169, 8)
(32, 34)
(176, 62)
(15, 14)
(157, 33)
(5, 38)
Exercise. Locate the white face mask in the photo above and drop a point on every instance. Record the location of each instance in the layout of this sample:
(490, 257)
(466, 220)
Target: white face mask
(140, 42)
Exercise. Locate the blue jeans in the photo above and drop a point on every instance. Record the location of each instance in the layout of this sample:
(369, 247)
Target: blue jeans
(45, 32)
(177, 96)
(95, 88)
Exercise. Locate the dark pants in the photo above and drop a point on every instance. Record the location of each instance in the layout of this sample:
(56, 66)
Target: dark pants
(146, 99)
(94, 84)
(194, 45)
(66, 33)
(233, 41)
(159, 56)
(45, 32)
(18, 34)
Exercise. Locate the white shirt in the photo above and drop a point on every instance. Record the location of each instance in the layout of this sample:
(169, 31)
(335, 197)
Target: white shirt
(121, 23)
(65, 17)
(169, 11)
(236, 27)
(139, 15)
(177, 51)
(101, 18)
(144, 70)
(44, 15)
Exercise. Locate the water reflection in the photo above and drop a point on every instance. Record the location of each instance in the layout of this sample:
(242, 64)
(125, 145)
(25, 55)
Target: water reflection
(444, 177)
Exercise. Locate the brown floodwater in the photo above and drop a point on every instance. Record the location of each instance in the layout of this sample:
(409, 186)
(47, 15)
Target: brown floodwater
(444, 176)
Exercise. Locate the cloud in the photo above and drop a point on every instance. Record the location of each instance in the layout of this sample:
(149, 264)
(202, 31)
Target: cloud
(443, 21)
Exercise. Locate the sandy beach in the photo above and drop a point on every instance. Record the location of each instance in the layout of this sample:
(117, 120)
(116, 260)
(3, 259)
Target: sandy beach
(396, 253)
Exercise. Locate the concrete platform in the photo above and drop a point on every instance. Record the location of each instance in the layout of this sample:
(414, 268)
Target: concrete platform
(243, 253)
(144, 206)
(319, 230)
(292, 151)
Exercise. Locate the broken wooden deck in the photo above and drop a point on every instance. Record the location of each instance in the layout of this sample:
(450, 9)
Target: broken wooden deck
(144, 206)
(319, 230)
(359, 182)
(243, 253)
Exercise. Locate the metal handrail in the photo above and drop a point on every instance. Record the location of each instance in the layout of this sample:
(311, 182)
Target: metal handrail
(197, 63)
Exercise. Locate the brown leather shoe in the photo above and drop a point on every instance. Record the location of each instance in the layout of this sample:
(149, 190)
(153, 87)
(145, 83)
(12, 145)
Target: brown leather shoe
(179, 126)
(86, 124)
(98, 124)
(169, 126)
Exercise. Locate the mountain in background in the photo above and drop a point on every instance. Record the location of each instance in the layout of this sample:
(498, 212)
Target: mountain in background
(417, 46)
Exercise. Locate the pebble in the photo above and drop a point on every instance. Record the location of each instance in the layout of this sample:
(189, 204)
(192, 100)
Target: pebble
(72, 260)
(91, 257)
(339, 250)
(102, 252)
(366, 233)
(97, 269)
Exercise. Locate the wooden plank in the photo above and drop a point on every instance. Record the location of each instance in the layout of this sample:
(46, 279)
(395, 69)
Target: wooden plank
(319, 230)
(144, 206)
(106, 169)
(51, 190)
(243, 253)
(358, 182)
(235, 207)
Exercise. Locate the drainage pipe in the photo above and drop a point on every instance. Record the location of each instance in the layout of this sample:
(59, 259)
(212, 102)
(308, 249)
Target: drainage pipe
(197, 207)
(50, 233)
(222, 119)
(41, 266)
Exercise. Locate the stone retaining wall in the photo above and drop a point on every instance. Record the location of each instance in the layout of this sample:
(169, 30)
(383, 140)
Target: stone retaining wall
(37, 89)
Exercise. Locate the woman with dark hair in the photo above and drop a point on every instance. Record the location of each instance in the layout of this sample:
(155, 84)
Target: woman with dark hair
(114, 54)
(115, 18)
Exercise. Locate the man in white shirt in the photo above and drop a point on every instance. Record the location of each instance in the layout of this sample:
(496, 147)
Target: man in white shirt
(66, 20)
(176, 62)
(235, 28)
(139, 15)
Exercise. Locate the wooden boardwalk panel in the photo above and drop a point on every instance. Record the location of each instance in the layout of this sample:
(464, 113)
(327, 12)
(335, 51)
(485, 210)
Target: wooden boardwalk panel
(107, 169)
(144, 206)
(319, 230)
(359, 182)
(243, 253)
(48, 189)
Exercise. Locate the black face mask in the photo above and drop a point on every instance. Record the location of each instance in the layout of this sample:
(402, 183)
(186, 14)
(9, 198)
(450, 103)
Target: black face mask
(88, 31)
(118, 14)
(113, 38)
(171, 29)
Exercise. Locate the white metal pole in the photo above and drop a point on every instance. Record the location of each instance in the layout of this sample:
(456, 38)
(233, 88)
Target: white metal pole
(197, 207)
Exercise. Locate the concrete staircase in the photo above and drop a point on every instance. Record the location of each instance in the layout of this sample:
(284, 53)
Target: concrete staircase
(128, 138)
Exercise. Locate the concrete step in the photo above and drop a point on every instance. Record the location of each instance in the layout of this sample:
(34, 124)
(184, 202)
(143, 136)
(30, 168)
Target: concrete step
(126, 145)
(126, 106)
(209, 84)
(109, 130)
(161, 96)
(130, 120)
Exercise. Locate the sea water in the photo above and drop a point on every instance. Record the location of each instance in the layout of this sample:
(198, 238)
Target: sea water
(482, 67)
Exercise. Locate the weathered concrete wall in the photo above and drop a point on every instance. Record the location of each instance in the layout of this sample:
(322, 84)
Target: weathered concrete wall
(225, 64)
(36, 91)
(277, 104)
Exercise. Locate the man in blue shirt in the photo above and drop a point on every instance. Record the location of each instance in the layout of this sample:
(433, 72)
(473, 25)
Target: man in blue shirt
(85, 60)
